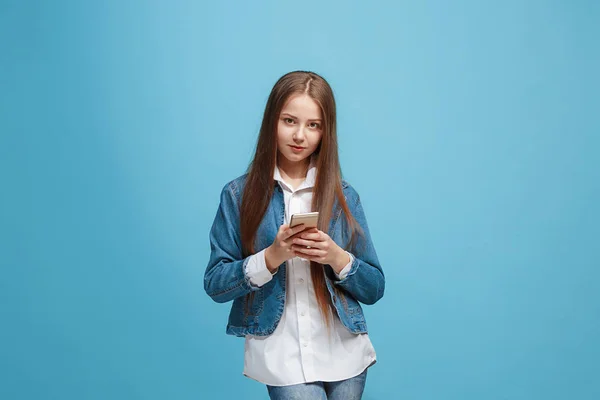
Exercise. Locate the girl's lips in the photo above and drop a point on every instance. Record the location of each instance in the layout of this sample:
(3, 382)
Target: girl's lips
(297, 149)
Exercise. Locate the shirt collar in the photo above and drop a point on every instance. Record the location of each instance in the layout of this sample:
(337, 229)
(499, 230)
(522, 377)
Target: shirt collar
(309, 181)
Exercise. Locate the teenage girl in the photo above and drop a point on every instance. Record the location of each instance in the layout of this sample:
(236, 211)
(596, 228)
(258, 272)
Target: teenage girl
(297, 292)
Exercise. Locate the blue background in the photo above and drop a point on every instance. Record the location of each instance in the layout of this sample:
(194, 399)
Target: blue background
(470, 129)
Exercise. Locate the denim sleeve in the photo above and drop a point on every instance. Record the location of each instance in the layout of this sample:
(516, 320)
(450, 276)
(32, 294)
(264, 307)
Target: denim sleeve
(365, 280)
(225, 278)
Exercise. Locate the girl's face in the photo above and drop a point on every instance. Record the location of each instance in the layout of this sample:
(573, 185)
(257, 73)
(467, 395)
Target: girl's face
(299, 128)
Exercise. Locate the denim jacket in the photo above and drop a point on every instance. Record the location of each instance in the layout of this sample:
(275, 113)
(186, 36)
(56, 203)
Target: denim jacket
(225, 279)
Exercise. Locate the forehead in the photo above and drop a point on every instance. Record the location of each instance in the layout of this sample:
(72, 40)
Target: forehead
(302, 106)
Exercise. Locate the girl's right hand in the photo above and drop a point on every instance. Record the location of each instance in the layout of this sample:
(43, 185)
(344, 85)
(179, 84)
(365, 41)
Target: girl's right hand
(281, 249)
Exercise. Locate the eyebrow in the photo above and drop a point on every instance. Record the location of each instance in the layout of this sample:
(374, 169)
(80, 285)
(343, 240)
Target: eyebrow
(293, 116)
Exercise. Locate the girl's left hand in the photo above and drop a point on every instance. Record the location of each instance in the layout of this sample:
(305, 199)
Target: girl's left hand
(316, 245)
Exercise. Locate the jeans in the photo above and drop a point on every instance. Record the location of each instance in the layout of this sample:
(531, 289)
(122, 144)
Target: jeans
(348, 389)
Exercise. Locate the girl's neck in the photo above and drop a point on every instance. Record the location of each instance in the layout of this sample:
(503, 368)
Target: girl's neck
(293, 170)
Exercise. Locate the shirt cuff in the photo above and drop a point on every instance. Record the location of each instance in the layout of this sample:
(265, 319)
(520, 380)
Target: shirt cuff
(257, 271)
(344, 272)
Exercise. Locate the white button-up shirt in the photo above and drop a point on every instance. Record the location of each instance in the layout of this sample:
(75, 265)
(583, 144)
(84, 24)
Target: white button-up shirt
(301, 350)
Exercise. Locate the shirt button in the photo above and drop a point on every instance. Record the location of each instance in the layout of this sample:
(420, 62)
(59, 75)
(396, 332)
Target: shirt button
(301, 280)
(305, 344)
(303, 313)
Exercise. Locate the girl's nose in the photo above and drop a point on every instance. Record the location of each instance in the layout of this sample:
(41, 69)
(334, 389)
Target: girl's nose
(299, 134)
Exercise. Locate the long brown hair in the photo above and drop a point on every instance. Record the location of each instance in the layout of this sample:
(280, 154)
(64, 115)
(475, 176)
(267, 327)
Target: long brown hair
(328, 185)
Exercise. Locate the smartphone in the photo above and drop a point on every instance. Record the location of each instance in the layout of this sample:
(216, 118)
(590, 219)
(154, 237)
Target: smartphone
(309, 220)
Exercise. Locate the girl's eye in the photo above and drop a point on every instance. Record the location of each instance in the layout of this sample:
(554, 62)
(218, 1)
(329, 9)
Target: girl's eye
(288, 120)
(315, 125)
